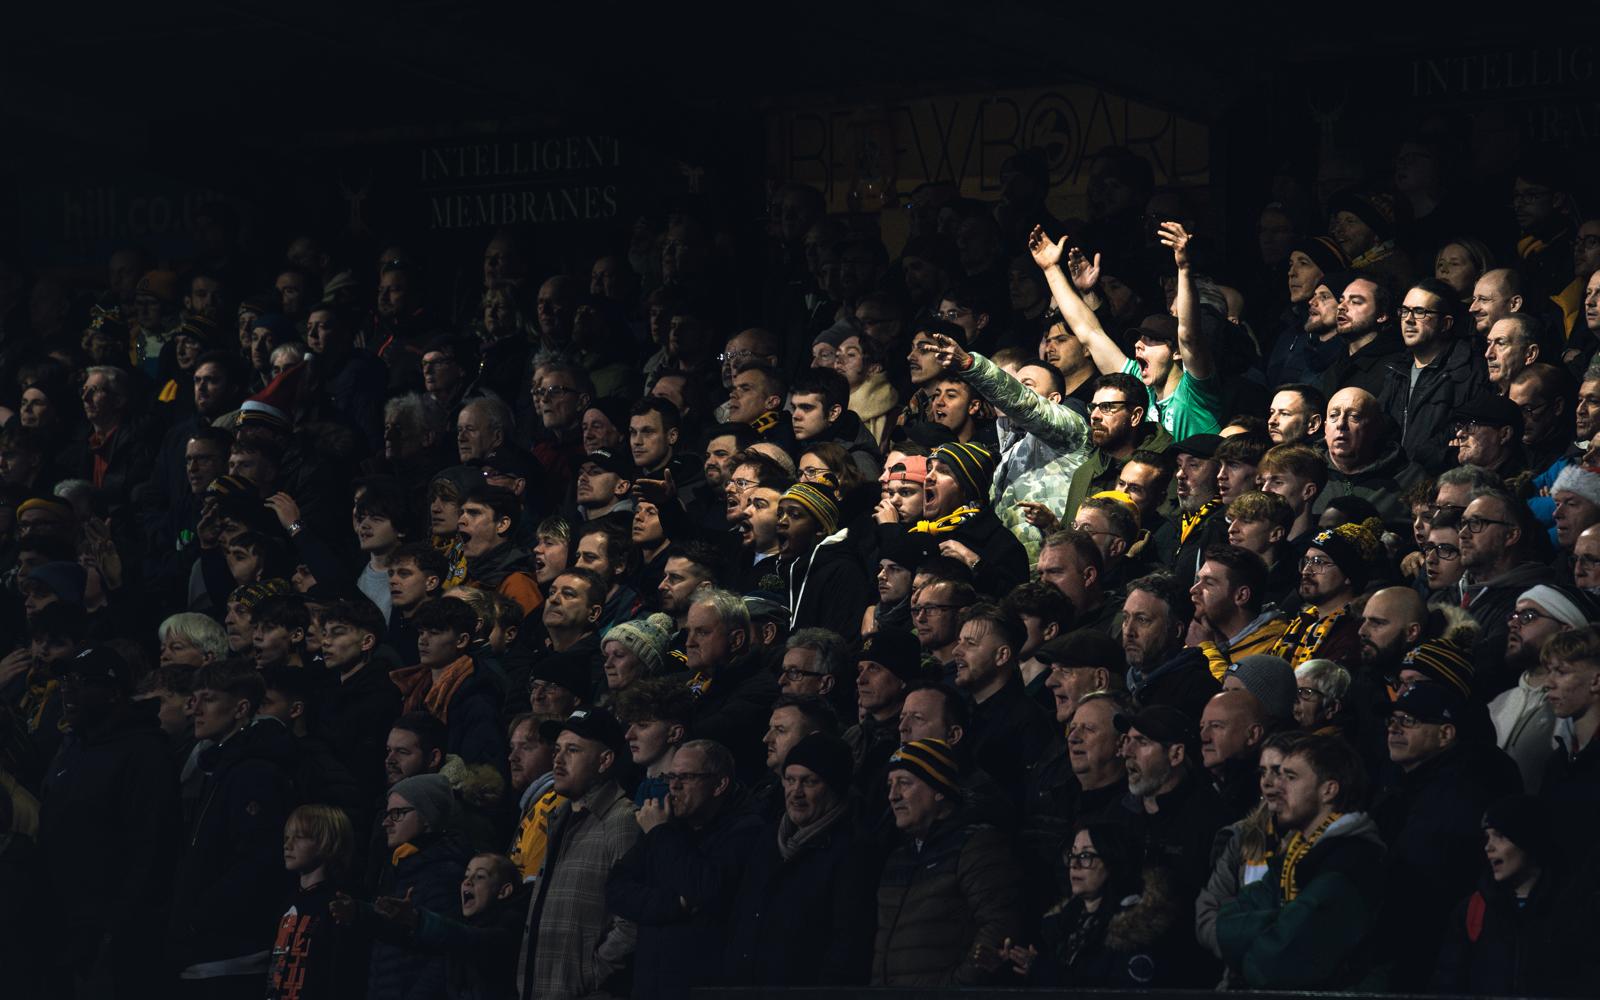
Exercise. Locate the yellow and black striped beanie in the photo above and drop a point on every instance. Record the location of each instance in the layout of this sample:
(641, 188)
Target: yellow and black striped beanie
(820, 502)
(1443, 661)
(971, 464)
(932, 761)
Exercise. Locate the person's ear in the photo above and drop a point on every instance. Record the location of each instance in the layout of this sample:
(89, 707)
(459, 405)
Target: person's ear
(1515, 302)
(502, 526)
(1118, 547)
(1176, 753)
(1274, 535)
(1255, 734)
(505, 891)
(1050, 631)
(297, 637)
(834, 412)
(1241, 597)
(463, 640)
(1447, 735)
(774, 403)
(608, 760)
(296, 710)
(955, 734)
(431, 584)
(1314, 425)
(675, 734)
(595, 611)
(672, 436)
(1308, 493)
(738, 640)
(369, 642)
(1102, 679)
(1135, 416)
(242, 710)
(1413, 633)
(1091, 576)
(584, 401)
(622, 489)
(436, 761)
(826, 684)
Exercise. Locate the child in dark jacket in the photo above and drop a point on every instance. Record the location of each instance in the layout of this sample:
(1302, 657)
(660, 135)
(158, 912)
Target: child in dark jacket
(482, 947)
(314, 956)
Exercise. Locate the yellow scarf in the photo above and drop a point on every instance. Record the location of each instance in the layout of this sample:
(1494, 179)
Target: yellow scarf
(1298, 847)
(1187, 522)
(949, 522)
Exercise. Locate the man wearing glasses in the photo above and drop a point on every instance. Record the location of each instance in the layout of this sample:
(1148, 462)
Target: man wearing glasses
(1333, 572)
(1420, 397)
(1494, 539)
(1486, 431)
(1430, 814)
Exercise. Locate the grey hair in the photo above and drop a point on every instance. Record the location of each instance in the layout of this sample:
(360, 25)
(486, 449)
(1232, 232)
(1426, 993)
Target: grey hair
(1476, 478)
(1526, 326)
(1326, 676)
(496, 414)
(1592, 373)
(201, 630)
(719, 762)
(730, 608)
(116, 379)
(828, 645)
(421, 414)
(293, 349)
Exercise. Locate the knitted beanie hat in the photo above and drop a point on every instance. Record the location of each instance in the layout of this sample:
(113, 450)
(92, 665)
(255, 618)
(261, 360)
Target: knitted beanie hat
(971, 464)
(1271, 680)
(1442, 661)
(931, 760)
(430, 795)
(1583, 481)
(1352, 548)
(1324, 252)
(647, 638)
(819, 501)
(825, 755)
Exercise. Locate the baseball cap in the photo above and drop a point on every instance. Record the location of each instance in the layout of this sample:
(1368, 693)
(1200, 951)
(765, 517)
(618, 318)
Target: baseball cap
(588, 723)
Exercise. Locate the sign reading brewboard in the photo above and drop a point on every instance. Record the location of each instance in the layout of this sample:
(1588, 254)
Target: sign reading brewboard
(868, 157)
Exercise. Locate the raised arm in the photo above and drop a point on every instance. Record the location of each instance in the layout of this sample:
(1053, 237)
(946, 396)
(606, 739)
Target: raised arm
(1197, 360)
(1060, 426)
(1080, 319)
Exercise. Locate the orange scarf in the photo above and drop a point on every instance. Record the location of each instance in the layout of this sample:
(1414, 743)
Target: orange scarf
(418, 690)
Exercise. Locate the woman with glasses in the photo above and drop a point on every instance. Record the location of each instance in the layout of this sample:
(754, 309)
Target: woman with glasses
(1120, 926)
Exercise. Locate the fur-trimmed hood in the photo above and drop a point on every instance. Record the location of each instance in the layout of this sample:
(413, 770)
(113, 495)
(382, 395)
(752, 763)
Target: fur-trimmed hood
(1142, 920)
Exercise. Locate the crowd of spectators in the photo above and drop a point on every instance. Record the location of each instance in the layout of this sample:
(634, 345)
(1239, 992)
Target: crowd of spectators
(1034, 603)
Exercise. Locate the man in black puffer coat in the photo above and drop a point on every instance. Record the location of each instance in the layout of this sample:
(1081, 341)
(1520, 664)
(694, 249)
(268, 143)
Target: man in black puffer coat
(231, 882)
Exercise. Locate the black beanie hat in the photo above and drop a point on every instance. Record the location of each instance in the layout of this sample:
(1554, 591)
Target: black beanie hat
(1526, 822)
(826, 756)
(1323, 251)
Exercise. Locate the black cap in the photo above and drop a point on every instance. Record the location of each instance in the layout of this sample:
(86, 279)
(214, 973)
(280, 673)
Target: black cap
(611, 460)
(507, 462)
(97, 663)
(1161, 723)
(589, 723)
(569, 670)
(1432, 702)
(1084, 647)
(1159, 328)
(897, 652)
(1199, 445)
(825, 755)
(1492, 411)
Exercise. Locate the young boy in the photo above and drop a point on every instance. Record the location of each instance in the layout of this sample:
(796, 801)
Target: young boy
(417, 572)
(278, 631)
(313, 956)
(358, 710)
(656, 713)
(447, 684)
(482, 947)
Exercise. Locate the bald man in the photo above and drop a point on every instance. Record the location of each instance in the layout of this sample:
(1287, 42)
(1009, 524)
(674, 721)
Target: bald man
(1391, 625)
(1231, 730)
(1496, 295)
(1586, 560)
(1362, 457)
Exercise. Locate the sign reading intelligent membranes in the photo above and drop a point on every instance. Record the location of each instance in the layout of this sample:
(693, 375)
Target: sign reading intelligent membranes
(527, 181)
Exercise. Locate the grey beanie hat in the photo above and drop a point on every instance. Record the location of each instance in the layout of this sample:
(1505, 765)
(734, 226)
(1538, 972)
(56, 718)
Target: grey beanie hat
(430, 795)
(1271, 680)
(647, 638)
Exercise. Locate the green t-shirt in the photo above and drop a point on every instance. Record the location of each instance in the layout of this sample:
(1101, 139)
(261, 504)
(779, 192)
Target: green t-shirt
(1192, 408)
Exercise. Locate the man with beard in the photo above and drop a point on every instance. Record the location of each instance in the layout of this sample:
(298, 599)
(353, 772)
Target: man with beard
(1362, 460)
(1174, 811)
(1392, 622)
(220, 385)
(691, 568)
(1306, 342)
(1172, 357)
(1231, 617)
(1333, 573)
(1202, 516)
(1294, 416)
(1009, 730)
(1155, 616)
(1117, 428)
(1419, 397)
(1523, 722)
(724, 442)
(1372, 345)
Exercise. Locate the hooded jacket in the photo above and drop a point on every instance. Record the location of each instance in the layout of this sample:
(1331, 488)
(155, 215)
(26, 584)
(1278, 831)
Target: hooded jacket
(1495, 946)
(1380, 482)
(1369, 367)
(1489, 604)
(1135, 946)
(1422, 412)
(231, 882)
(1321, 939)
(508, 569)
(827, 588)
(430, 870)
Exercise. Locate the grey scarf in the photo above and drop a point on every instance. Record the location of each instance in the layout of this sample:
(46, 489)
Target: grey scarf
(793, 839)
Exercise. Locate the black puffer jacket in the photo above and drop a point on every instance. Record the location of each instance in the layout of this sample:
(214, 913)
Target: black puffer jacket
(939, 899)
(1496, 946)
(1421, 413)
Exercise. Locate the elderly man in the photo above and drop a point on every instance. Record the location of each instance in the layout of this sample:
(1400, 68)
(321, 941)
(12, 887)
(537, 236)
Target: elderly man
(1543, 394)
(1487, 432)
(803, 912)
(1513, 345)
(1362, 459)
(1419, 397)
(575, 942)
(950, 889)
(1231, 731)
(693, 850)
(1586, 561)
(1495, 558)
(735, 689)
(1173, 809)
(1577, 505)
(888, 664)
